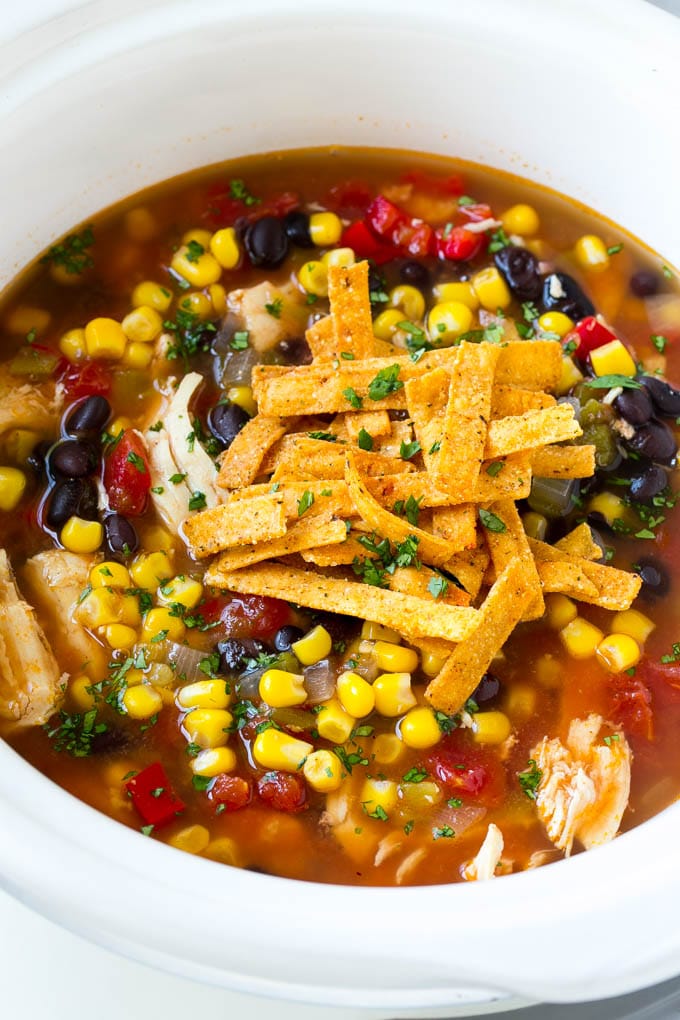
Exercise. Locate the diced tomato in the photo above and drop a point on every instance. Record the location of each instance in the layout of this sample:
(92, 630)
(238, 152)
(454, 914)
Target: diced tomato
(349, 197)
(589, 334)
(256, 616)
(407, 236)
(471, 771)
(458, 244)
(365, 245)
(632, 706)
(126, 475)
(443, 186)
(85, 380)
(153, 796)
(415, 238)
(384, 217)
(283, 791)
(477, 212)
(223, 210)
(233, 792)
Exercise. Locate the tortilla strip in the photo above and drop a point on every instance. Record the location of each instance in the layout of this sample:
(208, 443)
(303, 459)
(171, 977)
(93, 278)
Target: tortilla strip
(303, 534)
(580, 542)
(616, 589)
(426, 399)
(468, 567)
(301, 458)
(530, 364)
(351, 310)
(338, 555)
(499, 614)
(401, 432)
(242, 462)
(257, 520)
(457, 525)
(567, 579)
(563, 462)
(321, 339)
(407, 614)
(506, 546)
(511, 400)
(376, 423)
(533, 428)
(414, 581)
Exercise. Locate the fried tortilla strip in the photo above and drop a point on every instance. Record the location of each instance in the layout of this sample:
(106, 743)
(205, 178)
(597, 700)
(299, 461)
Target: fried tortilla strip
(501, 611)
(459, 460)
(304, 458)
(468, 567)
(376, 423)
(531, 429)
(580, 542)
(406, 614)
(413, 581)
(563, 462)
(324, 346)
(567, 579)
(340, 555)
(306, 533)
(457, 525)
(257, 519)
(401, 432)
(530, 364)
(511, 400)
(616, 589)
(511, 544)
(351, 310)
(242, 462)
(427, 397)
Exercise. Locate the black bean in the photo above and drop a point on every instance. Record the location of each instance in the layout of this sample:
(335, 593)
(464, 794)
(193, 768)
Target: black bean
(90, 415)
(487, 689)
(648, 484)
(520, 269)
(74, 497)
(285, 637)
(296, 352)
(232, 655)
(635, 406)
(654, 440)
(656, 580)
(562, 293)
(120, 535)
(266, 242)
(225, 421)
(296, 225)
(73, 459)
(37, 458)
(415, 273)
(644, 283)
(665, 397)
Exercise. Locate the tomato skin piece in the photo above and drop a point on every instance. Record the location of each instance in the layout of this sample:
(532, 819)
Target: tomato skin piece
(92, 378)
(231, 793)
(476, 213)
(459, 244)
(631, 702)
(588, 334)
(349, 197)
(127, 478)
(283, 791)
(256, 616)
(475, 773)
(153, 796)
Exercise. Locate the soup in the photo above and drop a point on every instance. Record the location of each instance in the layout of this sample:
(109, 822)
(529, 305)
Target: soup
(342, 486)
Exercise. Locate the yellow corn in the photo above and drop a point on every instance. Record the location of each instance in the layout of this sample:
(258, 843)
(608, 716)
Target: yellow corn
(462, 292)
(141, 701)
(273, 749)
(19, 444)
(193, 839)
(218, 298)
(560, 610)
(81, 698)
(198, 234)
(432, 664)
(618, 652)
(323, 771)
(142, 324)
(23, 320)
(535, 525)
(379, 797)
(612, 359)
(634, 623)
(333, 723)
(207, 727)
(81, 536)
(195, 264)
(72, 345)
(409, 300)
(140, 224)
(418, 798)
(99, 608)
(130, 614)
(355, 694)
(395, 658)
(555, 322)
(151, 295)
(160, 675)
(110, 574)
(612, 508)
(569, 376)
(243, 396)
(212, 693)
(393, 694)
(490, 727)
(313, 647)
(520, 701)
(12, 487)
(159, 623)
(447, 320)
(155, 538)
(199, 304)
(282, 689)
(420, 729)
(491, 289)
(385, 324)
(325, 229)
(135, 676)
(376, 632)
(224, 246)
(581, 638)
(137, 355)
(591, 253)
(148, 569)
(104, 338)
(548, 671)
(313, 277)
(521, 219)
(388, 748)
(213, 761)
(183, 590)
(118, 425)
(338, 257)
(118, 635)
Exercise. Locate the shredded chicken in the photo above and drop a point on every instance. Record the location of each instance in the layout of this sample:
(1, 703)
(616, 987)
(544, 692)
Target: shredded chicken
(26, 406)
(584, 787)
(483, 865)
(31, 685)
(285, 319)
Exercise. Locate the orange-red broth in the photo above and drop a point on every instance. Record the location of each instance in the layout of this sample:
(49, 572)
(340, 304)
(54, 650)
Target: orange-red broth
(298, 844)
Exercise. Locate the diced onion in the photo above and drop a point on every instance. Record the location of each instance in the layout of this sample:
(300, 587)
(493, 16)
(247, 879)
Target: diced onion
(238, 367)
(185, 661)
(248, 685)
(294, 718)
(320, 682)
(458, 819)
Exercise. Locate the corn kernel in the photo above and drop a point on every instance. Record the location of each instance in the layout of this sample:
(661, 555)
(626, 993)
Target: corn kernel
(520, 701)
(12, 487)
(196, 265)
(569, 376)
(432, 664)
(560, 610)
(376, 632)
(591, 253)
(612, 359)
(155, 538)
(420, 729)
(159, 623)
(634, 623)
(199, 304)
(218, 298)
(446, 321)
(388, 748)
(581, 638)
(535, 525)
(555, 322)
(208, 727)
(273, 749)
(462, 293)
(137, 355)
(104, 338)
(141, 701)
(314, 646)
(211, 693)
(118, 635)
(393, 694)
(333, 723)
(23, 320)
(313, 277)
(130, 613)
(491, 289)
(226, 851)
(549, 671)
(355, 694)
(409, 300)
(325, 229)
(110, 574)
(60, 274)
(490, 727)
(148, 569)
(385, 324)
(134, 677)
(225, 248)
(199, 235)
(140, 224)
(81, 536)
(185, 591)
(612, 508)
(118, 425)
(192, 840)
(72, 345)
(213, 761)
(418, 798)
(282, 689)
(79, 695)
(151, 295)
(19, 444)
(243, 397)
(142, 324)
(617, 652)
(338, 257)
(323, 771)
(99, 608)
(521, 219)
(395, 658)
(379, 797)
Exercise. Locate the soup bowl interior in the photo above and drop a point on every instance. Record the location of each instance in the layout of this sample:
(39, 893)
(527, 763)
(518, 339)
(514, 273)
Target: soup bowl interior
(110, 98)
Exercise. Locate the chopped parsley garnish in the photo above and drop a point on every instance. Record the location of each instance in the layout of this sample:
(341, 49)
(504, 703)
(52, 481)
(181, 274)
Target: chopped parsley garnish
(495, 468)
(608, 382)
(76, 732)
(659, 342)
(378, 811)
(239, 341)
(415, 775)
(137, 462)
(274, 307)
(614, 249)
(201, 782)
(437, 586)
(197, 501)
(410, 509)
(177, 478)
(409, 450)
(157, 427)
(446, 723)
(529, 779)
(239, 191)
(353, 397)
(443, 832)
(350, 759)
(454, 802)
(499, 239)
(365, 440)
(305, 501)
(192, 336)
(146, 830)
(408, 828)
(71, 253)
(386, 381)
(157, 490)
(674, 656)
(326, 437)
(436, 447)
(490, 521)
(611, 738)
(347, 355)
(466, 200)
(194, 251)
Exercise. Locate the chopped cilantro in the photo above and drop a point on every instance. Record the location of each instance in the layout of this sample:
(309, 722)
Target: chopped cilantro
(443, 832)
(490, 521)
(239, 341)
(495, 468)
(194, 251)
(659, 342)
(326, 437)
(454, 802)
(608, 382)
(378, 811)
(499, 239)
(386, 381)
(365, 440)
(239, 191)
(674, 656)
(75, 732)
(408, 828)
(466, 200)
(436, 447)
(274, 307)
(353, 397)
(347, 355)
(614, 249)
(201, 782)
(409, 450)
(137, 462)
(71, 253)
(415, 775)
(437, 586)
(410, 509)
(177, 478)
(529, 779)
(197, 501)
(305, 501)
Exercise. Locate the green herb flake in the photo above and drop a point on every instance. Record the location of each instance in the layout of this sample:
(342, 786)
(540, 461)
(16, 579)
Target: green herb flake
(612, 738)
(194, 251)
(408, 828)
(274, 307)
(177, 478)
(659, 342)
(530, 779)
(365, 440)
(491, 522)
(239, 191)
(437, 586)
(378, 811)
(347, 355)
(454, 802)
(305, 501)
(239, 341)
(71, 253)
(157, 490)
(353, 397)
(436, 447)
(76, 732)
(674, 656)
(146, 830)
(495, 468)
(443, 832)
(415, 775)
(465, 200)
(386, 381)
(137, 462)
(408, 450)
(197, 501)
(608, 382)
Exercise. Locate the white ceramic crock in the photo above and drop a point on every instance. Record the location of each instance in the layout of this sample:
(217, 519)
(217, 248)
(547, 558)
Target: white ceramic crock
(113, 96)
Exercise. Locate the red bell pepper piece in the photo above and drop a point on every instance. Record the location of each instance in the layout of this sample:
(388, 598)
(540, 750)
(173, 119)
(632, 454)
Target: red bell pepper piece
(86, 380)
(458, 244)
(589, 334)
(406, 236)
(472, 772)
(127, 478)
(363, 243)
(153, 796)
(384, 217)
(253, 616)
(415, 237)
